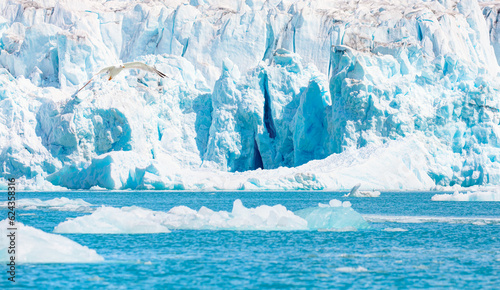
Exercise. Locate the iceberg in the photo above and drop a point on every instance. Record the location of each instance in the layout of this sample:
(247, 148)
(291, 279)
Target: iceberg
(485, 195)
(134, 220)
(277, 95)
(335, 215)
(36, 246)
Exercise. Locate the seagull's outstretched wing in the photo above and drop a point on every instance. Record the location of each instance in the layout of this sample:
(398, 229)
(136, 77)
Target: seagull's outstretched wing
(143, 66)
(354, 190)
(104, 70)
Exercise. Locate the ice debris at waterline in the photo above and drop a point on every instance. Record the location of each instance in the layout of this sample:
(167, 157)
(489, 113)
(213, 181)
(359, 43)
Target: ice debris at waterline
(355, 192)
(485, 195)
(57, 204)
(480, 221)
(139, 220)
(36, 246)
(393, 94)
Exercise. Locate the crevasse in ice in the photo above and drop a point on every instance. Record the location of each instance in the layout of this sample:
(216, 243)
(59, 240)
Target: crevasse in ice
(263, 94)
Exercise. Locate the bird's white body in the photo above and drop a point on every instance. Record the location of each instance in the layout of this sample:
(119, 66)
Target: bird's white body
(113, 71)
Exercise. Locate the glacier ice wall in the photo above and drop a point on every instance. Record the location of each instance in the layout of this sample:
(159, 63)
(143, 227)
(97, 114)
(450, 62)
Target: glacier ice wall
(285, 94)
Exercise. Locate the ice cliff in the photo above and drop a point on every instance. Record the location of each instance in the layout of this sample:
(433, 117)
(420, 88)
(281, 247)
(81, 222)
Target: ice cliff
(283, 94)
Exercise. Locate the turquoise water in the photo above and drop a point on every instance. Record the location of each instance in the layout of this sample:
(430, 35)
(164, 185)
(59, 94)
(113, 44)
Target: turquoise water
(450, 244)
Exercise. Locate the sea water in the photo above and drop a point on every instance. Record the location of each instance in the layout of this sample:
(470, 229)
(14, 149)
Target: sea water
(411, 242)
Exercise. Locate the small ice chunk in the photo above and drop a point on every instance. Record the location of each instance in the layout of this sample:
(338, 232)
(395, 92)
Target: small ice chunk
(358, 269)
(323, 205)
(335, 203)
(346, 204)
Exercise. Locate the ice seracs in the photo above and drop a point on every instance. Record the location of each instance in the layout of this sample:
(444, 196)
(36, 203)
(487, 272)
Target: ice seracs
(282, 95)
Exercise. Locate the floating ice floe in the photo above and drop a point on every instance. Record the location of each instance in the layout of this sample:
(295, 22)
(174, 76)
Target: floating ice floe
(264, 217)
(58, 204)
(36, 246)
(110, 220)
(486, 195)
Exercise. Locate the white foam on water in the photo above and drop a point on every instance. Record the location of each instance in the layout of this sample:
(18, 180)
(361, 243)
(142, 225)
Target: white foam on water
(58, 204)
(429, 219)
(139, 220)
(358, 269)
(345, 229)
(486, 195)
(36, 246)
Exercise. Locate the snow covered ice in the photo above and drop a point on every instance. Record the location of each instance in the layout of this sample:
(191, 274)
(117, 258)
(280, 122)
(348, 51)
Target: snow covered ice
(133, 220)
(273, 94)
(36, 246)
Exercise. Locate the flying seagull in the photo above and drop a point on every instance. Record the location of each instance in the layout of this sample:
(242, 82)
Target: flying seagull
(113, 71)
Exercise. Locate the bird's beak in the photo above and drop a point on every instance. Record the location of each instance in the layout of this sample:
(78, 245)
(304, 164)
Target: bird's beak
(123, 66)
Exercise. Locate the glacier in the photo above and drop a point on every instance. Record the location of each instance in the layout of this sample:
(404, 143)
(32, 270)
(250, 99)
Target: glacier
(277, 94)
(37, 246)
